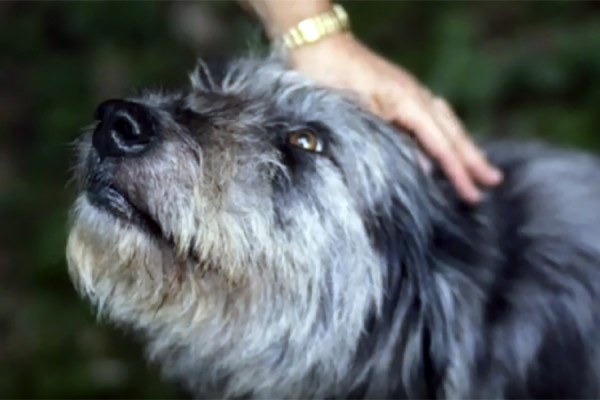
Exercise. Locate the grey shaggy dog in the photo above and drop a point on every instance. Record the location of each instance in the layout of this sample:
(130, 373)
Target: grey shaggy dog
(272, 239)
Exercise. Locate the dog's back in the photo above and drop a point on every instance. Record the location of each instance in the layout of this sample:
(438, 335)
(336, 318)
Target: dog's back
(532, 254)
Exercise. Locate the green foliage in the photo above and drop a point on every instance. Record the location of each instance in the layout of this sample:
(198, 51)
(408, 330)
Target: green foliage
(523, 69)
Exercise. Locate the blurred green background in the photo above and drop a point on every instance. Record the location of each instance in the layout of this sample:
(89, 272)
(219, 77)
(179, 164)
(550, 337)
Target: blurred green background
(509, 68)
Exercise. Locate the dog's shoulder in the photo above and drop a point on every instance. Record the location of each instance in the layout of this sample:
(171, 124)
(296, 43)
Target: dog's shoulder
(538, 317)
(553, 190)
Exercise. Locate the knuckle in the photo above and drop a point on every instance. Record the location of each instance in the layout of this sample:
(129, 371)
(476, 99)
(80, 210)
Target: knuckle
(437, 153)
(407, 105)
(445, 109)
(442, 104)
(448, 159)
(474, 156)
(426, 94)
(410, 113)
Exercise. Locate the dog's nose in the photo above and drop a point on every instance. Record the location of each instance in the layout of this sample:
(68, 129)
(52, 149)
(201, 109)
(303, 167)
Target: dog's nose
(126, 128)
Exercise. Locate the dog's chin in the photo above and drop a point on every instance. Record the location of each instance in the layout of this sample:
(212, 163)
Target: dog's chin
(116, 203)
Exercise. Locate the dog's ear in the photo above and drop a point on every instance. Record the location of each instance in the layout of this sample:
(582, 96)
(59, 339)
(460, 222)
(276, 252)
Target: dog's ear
(210, 73)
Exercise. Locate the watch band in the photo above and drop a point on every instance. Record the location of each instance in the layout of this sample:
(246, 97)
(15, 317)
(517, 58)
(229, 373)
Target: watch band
(313, 29)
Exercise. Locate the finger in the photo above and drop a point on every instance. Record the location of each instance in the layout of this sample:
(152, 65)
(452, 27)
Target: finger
(413, 116)
(472, 157)
(477, 163)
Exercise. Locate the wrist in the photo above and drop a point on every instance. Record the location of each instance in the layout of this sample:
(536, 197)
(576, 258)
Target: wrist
(329, 44)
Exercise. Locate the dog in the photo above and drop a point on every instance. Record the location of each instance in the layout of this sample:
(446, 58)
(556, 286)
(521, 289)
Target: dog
(269, 238)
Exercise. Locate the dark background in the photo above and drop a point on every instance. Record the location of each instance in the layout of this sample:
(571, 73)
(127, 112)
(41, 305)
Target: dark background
(509, 68)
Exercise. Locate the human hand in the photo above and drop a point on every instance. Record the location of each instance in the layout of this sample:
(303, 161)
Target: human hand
(342, 62)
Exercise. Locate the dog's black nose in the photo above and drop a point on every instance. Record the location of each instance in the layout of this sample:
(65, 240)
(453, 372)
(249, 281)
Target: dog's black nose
(126, 128)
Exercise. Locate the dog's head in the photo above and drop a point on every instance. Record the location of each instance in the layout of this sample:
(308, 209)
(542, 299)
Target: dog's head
(230, 222)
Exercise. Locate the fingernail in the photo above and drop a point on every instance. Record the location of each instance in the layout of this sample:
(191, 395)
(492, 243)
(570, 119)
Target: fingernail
(474, 197)
(496, 175)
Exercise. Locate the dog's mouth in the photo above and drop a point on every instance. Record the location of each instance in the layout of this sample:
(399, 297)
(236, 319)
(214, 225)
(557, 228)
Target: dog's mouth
(107, 197)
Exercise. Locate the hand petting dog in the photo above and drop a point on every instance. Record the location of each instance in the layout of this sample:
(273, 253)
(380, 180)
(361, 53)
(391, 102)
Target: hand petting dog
(338, 60)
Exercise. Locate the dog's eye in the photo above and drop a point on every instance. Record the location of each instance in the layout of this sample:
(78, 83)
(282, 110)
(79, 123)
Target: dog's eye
(306, 140)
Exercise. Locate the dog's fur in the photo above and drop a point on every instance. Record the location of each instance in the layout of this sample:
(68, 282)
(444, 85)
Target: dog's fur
(276, 272)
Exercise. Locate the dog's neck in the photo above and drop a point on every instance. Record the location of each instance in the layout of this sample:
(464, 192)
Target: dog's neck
(425, 266)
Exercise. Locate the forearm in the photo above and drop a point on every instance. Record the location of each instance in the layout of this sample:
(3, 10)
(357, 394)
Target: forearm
(277, 16)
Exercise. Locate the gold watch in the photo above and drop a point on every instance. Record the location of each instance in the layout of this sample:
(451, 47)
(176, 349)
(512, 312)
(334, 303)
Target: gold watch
(313, 29)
